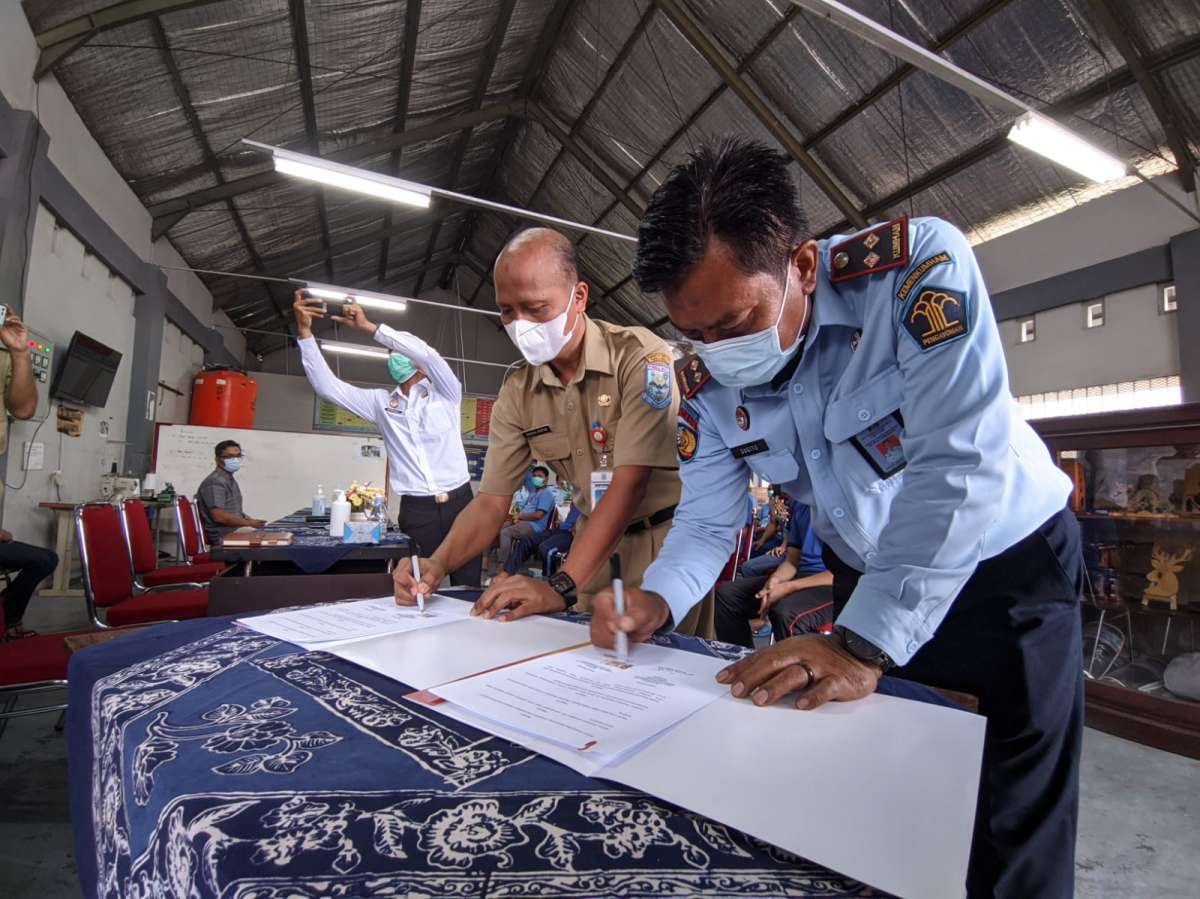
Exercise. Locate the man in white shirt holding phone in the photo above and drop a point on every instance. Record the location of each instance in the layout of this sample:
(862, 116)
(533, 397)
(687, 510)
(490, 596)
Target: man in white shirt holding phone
(419, 421)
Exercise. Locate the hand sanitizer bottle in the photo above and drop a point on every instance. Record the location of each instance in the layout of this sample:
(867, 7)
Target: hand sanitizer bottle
(318, 501)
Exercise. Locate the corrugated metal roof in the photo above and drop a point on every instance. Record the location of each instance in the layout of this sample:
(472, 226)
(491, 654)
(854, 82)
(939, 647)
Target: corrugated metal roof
(170, 97)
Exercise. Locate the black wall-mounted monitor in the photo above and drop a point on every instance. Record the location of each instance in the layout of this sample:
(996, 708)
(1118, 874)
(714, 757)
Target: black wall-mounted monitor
(86, 373)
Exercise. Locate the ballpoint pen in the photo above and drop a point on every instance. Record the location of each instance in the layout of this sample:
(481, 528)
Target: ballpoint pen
(417, 578)
(619, 603)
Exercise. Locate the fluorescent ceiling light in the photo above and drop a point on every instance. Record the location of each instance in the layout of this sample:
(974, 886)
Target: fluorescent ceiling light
(362, 297)
(1045, 136)
(347, 177)
(353, 349)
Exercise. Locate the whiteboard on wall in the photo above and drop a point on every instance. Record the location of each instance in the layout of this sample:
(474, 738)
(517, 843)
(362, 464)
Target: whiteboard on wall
(282, 468)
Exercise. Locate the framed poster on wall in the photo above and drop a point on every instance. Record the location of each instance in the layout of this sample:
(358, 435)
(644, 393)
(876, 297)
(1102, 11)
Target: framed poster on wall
(329, 416)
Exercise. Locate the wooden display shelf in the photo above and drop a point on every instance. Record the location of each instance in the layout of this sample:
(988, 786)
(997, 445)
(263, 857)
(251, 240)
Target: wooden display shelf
(1169, 724)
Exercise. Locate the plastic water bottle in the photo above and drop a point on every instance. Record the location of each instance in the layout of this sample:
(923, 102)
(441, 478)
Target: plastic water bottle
(339, 514)
(318, 501)
(381, 511)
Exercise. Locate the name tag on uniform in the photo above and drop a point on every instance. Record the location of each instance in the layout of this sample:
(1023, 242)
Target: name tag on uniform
(536, 432)
(749, 449)
(880, 445)
(601, 480)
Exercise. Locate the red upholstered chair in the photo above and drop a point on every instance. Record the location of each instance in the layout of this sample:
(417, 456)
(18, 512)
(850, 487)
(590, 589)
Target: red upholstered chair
(139, 542)
(108, 581)
(31, 665)
(741, 552)
(191, 533)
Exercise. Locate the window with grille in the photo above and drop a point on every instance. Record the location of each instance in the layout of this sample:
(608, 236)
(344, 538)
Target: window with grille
(1143, 394)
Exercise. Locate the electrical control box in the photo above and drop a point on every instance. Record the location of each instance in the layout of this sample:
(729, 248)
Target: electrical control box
(41, 354)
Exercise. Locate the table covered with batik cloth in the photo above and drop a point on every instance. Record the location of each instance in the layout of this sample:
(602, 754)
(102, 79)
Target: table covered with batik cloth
(207, 760)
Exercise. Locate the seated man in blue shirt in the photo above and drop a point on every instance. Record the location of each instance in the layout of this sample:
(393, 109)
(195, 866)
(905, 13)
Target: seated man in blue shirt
(534, 515)
(559, 539)
(791, 527)
(797, 597)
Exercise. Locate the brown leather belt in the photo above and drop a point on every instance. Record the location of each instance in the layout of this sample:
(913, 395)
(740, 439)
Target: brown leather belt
(644, 524)
(437, 498)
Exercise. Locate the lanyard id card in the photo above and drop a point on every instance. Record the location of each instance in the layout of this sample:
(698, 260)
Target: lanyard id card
(600, 483)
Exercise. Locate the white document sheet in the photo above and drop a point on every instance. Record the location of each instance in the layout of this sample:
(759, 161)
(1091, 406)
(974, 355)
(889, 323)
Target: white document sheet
(589, 701)
(327, 626)
(442, 654)
(882, 789)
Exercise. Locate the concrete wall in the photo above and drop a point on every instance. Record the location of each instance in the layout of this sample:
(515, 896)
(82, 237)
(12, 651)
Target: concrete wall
(1135, 341)
(182, 358)
(1116, 225)
(69, 289)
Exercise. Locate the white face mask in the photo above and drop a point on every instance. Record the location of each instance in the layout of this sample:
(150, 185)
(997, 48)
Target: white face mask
(750, 359)
(539, 342)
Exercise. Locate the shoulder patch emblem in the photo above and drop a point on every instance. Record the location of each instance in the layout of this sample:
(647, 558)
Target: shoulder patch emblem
(690, 415)
(692, 375)
(877, 250)
(918, 273)
(657, 394)
(687, 441)
(938, 316)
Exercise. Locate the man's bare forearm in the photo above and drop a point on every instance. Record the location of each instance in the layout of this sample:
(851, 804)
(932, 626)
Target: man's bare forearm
(22, 389)
(474, 530)
(607, 523)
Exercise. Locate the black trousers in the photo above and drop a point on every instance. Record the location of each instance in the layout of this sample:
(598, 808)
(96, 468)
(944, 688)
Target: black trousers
(427, 522)
(35, 564)
(802, 612)
(1012, 638)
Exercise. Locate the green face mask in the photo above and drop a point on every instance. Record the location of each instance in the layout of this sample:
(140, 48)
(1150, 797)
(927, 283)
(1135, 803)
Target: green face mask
(400, 368)
(538, 481)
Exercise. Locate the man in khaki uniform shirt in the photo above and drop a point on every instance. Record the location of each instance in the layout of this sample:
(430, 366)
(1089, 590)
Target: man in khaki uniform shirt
(591, 398)
(18, 398)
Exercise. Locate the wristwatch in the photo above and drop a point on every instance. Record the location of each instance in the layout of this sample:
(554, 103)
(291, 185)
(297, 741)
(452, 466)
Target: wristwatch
(564, 585)
(863, 649)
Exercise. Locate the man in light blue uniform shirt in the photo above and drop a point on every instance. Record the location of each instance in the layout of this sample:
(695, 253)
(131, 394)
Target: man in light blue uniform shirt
(865, 376)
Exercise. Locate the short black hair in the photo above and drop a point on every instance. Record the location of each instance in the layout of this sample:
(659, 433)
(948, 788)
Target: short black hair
(226, 444)
(562, 246)
(734, 189)
(542, 468)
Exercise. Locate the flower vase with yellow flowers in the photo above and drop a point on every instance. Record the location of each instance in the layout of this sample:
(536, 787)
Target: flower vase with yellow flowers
(362, 499)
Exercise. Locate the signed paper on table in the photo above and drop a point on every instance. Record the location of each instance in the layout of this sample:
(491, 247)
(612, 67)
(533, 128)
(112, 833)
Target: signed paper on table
(590, 701)
(335, 624)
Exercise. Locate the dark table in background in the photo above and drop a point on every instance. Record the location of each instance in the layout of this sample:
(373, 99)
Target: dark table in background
(313, 551)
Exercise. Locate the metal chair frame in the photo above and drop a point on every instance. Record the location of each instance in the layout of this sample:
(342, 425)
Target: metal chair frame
(139, 588)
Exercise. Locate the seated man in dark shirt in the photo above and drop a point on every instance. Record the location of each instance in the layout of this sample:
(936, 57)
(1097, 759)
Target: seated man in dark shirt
(797, 597)
(220, 498)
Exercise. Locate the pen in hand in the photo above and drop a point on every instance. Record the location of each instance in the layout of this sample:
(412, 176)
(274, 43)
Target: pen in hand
(417, 578)
(619, 606)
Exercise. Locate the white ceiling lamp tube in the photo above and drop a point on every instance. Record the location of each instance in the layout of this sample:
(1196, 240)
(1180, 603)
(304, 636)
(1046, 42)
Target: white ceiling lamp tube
(397, 190)
(1046, 137)
(1032, 130)
(346, 177)
(353, 349)
(365, 298)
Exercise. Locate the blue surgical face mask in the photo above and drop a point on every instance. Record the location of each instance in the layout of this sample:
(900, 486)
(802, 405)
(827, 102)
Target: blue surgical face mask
(400, 367)
(538, 481)
(750, 359)
(232, 465)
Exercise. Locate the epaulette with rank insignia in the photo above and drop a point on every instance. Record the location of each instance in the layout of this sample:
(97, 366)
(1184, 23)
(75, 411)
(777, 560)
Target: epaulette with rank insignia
(691, 374)
(876, 250)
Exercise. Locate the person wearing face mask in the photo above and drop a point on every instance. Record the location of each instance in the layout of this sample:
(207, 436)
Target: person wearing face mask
(534, 515)
(596, 403)
(865, 374)
(220, 497)
(418, 420)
